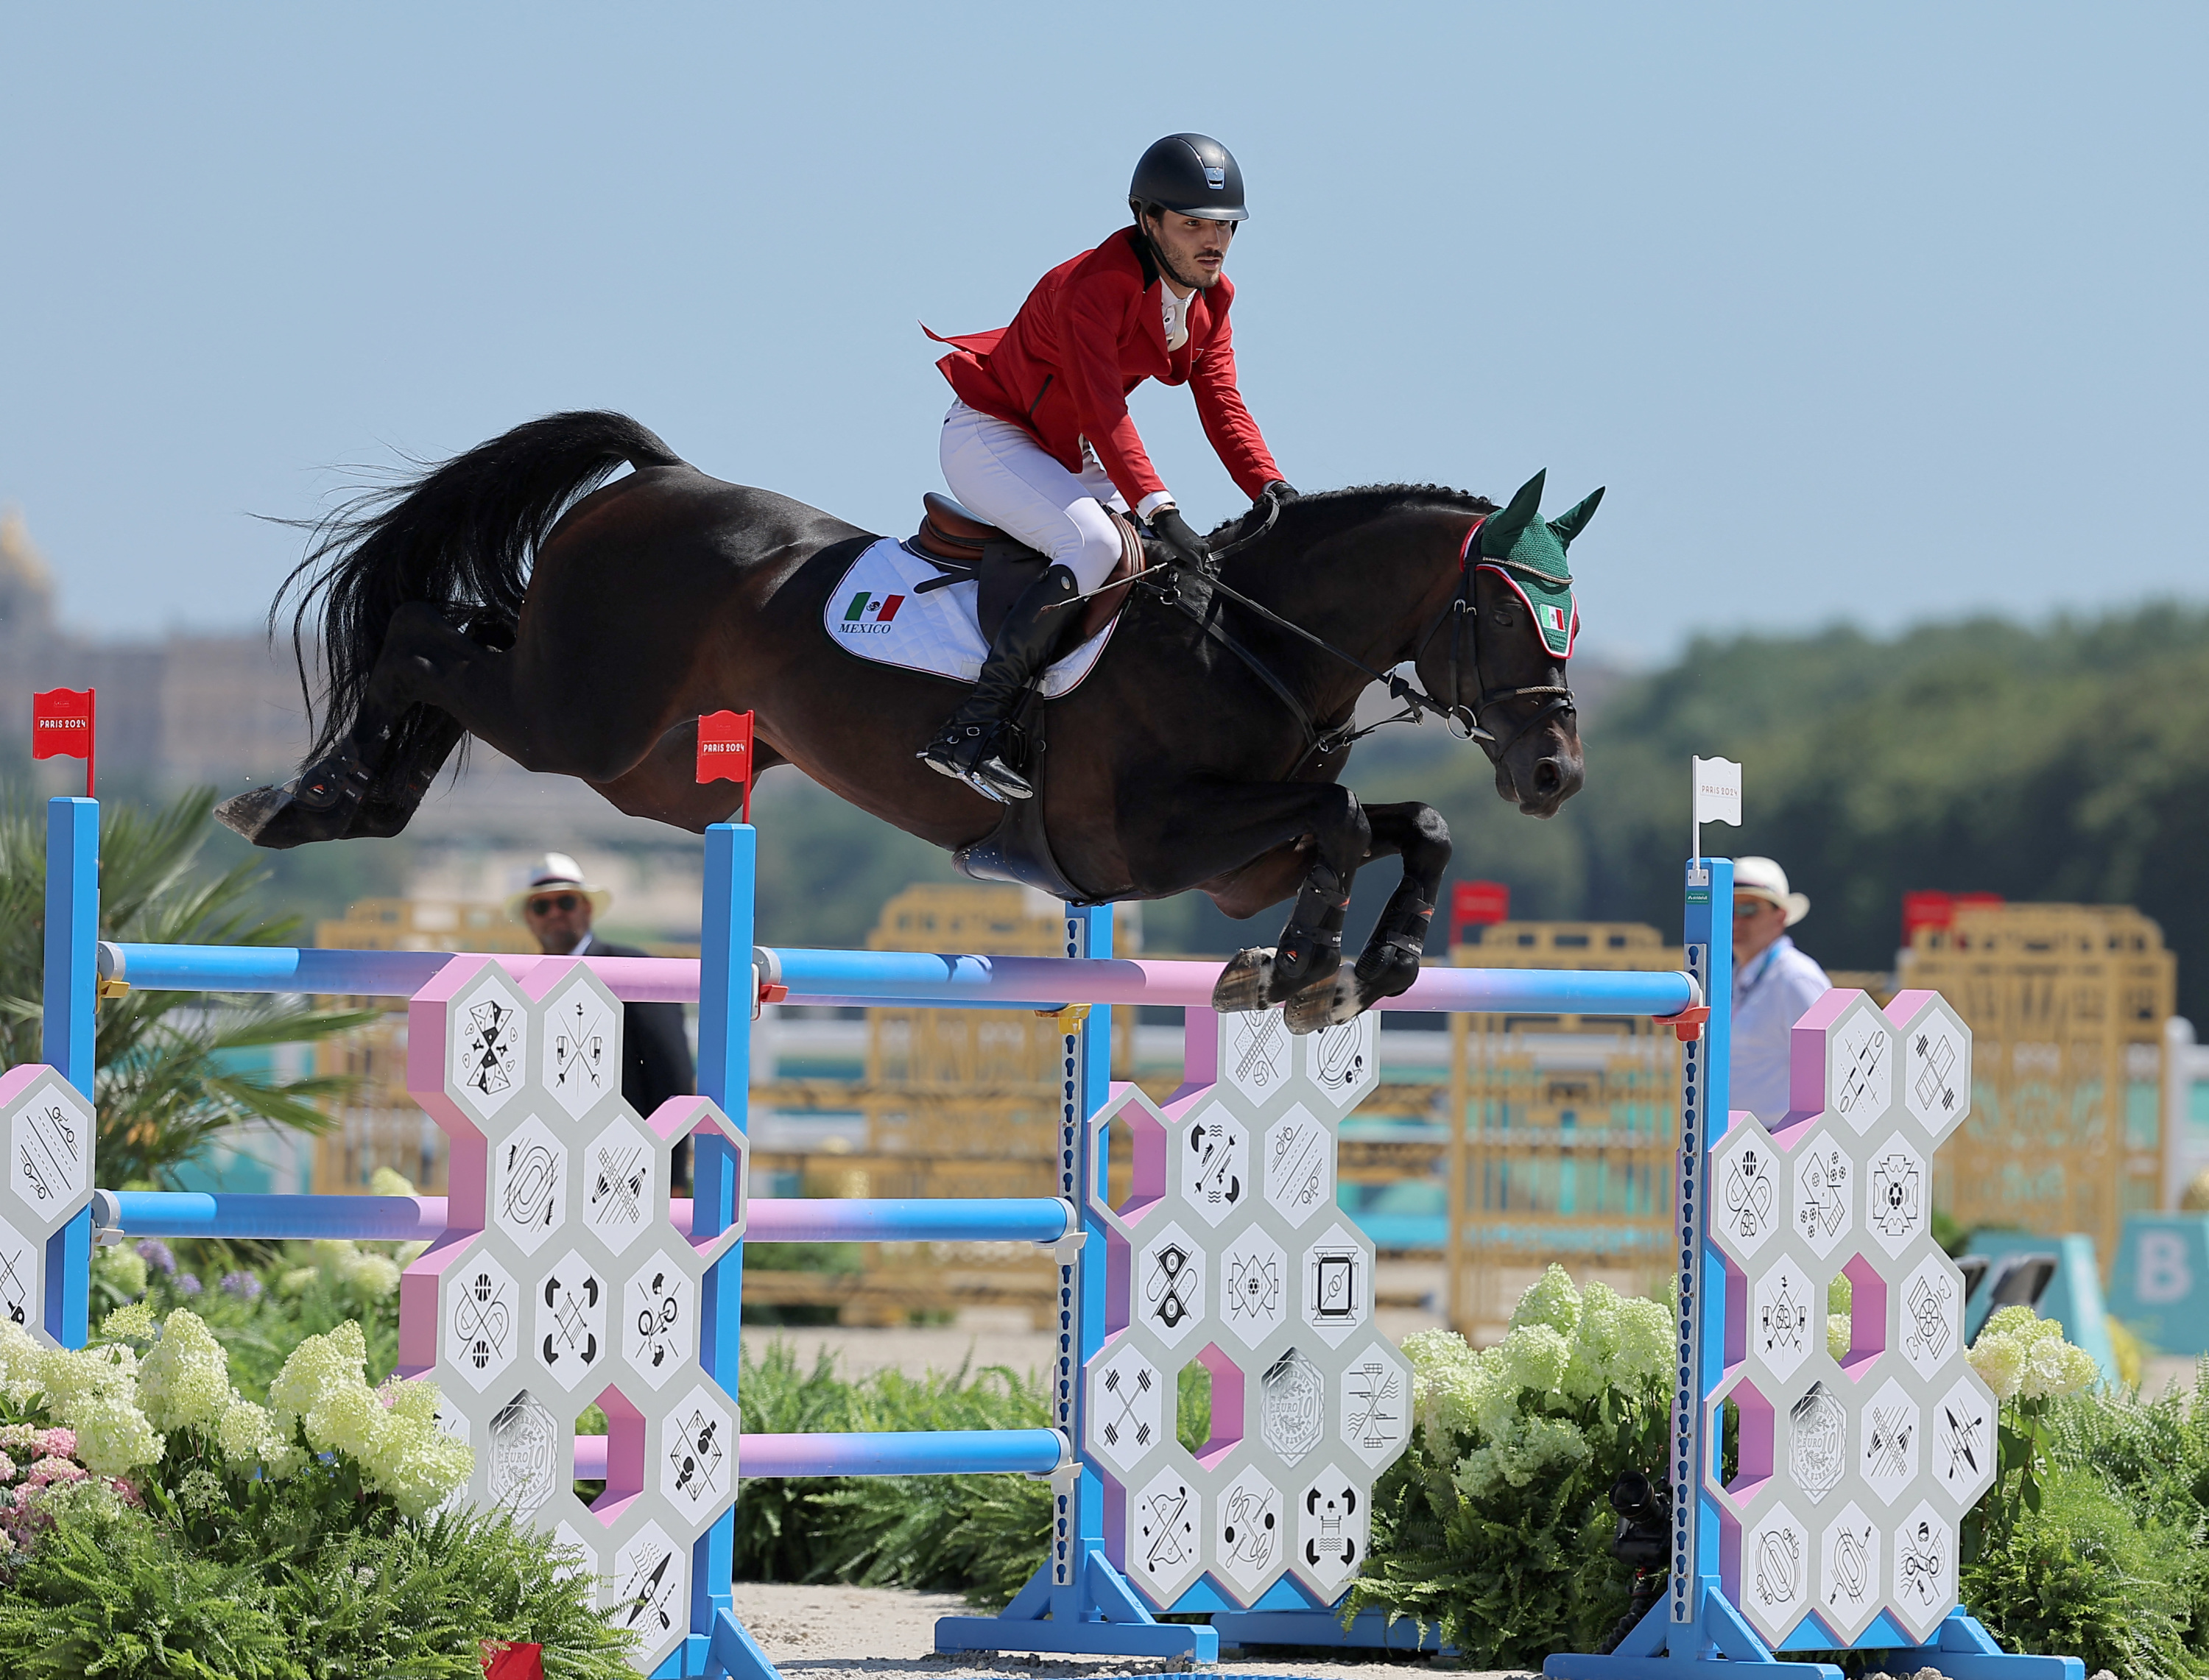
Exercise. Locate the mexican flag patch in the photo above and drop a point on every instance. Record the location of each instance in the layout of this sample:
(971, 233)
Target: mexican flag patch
(1548, 603)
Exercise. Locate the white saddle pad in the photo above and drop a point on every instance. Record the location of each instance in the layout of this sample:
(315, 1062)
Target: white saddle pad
(879, 613)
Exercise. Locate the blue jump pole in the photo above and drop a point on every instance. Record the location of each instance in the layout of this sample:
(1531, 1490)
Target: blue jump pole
(726, 998)
(870, 978)
(70, 1031)
(402, 1219)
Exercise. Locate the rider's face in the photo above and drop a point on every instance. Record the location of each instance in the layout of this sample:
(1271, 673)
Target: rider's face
(1194, 250)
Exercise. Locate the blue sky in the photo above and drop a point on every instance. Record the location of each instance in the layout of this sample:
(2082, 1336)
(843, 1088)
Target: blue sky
(1879, 312)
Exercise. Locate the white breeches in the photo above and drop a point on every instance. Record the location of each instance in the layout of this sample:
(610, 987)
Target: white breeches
(998, 473)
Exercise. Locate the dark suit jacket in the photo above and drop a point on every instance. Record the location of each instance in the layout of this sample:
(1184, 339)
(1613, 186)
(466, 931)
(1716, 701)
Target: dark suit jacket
(656, 1060)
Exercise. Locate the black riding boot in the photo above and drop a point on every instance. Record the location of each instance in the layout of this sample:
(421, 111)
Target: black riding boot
(971, 745)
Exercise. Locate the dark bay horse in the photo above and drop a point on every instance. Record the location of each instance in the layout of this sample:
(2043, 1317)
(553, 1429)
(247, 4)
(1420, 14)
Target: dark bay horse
(583, 632)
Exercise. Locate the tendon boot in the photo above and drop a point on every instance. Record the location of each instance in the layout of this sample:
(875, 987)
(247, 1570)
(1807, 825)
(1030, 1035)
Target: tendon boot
(971, 744)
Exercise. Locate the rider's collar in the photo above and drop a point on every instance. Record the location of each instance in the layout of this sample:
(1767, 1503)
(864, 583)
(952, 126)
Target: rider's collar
(1549, 599)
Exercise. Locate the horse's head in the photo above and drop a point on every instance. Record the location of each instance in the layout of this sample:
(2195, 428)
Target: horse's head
(1501, 658)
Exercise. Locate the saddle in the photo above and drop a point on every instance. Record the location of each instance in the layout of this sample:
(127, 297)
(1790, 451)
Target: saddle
(964, 549)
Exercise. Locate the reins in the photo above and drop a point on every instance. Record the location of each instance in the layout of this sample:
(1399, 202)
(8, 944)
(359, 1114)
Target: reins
(1463, 720)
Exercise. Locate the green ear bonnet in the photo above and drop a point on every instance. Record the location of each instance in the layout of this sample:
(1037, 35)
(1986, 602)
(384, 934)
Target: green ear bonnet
(1529, 555)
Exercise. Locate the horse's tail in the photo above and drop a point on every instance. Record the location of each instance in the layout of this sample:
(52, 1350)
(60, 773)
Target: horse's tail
(460, 537)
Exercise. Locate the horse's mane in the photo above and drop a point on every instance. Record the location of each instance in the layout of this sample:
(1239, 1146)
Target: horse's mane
(1320, 514)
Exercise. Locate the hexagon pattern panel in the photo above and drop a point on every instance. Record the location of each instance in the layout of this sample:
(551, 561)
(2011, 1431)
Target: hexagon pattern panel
(1853, 1509)
(50, 1135)
(1229, 1252)
(564, 1282)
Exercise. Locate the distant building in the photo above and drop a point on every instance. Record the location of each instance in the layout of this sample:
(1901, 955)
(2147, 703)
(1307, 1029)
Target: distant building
(187, 708)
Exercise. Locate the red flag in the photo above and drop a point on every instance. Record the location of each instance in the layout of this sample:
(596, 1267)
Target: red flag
(62, 727)
(724, 751)
(503, 1661)
(1477, 904)
(1937, 910)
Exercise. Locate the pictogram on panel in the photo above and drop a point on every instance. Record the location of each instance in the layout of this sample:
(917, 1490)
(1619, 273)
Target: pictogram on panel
(1849, 1497)
(1226, 1248)
(50, 1133)
(564, 1282)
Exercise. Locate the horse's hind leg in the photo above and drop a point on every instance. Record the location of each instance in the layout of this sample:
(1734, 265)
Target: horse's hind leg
(539, 710)
(1390, 961)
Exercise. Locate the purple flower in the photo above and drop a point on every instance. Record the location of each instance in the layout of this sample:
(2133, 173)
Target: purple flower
(188, 1283)
(155, 1253)
(244, 1285)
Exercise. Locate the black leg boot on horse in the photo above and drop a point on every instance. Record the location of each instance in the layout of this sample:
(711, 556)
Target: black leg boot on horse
(975, 743)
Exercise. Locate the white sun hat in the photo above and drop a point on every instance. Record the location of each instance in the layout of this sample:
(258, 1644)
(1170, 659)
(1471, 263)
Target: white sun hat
(1761, 878)
(556, 870)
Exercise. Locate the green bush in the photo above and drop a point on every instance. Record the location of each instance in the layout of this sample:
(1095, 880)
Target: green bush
(982, 1535)
(2089, 1576)
(111, 1591)
(1495, 1525)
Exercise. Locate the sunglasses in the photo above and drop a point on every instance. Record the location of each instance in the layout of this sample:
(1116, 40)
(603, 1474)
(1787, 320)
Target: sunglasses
(546, 906)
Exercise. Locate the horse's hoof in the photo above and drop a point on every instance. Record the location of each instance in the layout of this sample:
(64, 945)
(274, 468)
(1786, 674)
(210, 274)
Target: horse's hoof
(1241, 988)
(272, 817)
(1330, 1003)
(259, 815)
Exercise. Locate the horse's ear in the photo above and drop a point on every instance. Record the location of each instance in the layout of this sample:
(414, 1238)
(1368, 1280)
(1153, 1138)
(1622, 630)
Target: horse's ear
(1501, 530)
(1570, 523)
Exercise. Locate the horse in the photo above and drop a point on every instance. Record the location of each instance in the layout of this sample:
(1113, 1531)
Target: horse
(582, 626)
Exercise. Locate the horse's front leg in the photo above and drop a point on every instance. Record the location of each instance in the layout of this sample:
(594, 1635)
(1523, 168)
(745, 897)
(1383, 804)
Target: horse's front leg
(1390, 960)
(1325, 821)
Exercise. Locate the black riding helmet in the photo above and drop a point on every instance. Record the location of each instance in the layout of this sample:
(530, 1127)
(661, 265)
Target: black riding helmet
(1188, 175)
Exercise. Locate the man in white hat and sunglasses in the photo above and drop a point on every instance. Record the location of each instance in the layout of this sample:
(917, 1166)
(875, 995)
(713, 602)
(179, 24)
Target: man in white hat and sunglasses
(1773, 983)
(556, 908)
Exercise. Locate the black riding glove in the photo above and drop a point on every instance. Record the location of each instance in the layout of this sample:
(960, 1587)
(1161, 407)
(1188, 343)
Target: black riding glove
(1279, 491)
(1173, 533)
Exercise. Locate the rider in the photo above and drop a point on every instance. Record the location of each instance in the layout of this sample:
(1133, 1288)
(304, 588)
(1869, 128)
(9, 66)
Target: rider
(1039, 442)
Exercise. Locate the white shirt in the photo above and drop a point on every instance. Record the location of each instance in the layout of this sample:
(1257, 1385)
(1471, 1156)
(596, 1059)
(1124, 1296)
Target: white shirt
(1175, 310)
(1770, 993)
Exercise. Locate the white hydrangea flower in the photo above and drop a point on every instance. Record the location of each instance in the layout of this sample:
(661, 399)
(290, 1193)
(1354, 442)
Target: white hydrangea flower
(184, 1379)
(112, 1434)
(1533, 1356)
(2000, 1363)
(374, 1275)
(247, 1434)
(1647, 1342)
(1553, 1301)
(2053, 1367)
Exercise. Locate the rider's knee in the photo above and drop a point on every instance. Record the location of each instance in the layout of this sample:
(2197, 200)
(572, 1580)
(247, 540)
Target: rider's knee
(1099, 547)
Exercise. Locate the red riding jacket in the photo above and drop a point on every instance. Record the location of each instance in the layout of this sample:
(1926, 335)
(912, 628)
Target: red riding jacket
(1090, 333)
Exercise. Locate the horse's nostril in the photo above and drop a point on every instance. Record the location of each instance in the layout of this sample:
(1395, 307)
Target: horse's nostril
(1548, 777)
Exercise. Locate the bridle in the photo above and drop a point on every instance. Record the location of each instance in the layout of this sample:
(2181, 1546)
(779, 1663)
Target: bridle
(1461, 613)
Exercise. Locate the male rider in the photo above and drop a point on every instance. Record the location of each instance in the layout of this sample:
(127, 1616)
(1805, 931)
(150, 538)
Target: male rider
(1039, 442)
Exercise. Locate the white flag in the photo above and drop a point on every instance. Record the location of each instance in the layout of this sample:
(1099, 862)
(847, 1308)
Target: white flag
(1717, 790)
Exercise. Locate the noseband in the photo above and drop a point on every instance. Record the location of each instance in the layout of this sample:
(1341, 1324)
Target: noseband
(1463, 616)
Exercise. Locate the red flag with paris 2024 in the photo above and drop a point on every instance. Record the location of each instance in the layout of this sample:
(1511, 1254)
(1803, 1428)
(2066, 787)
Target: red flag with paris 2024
(62, 726)
(724, 751)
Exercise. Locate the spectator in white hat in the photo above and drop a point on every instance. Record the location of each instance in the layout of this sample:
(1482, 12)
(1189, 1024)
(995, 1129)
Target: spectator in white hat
(1773, 983)
(556, 908)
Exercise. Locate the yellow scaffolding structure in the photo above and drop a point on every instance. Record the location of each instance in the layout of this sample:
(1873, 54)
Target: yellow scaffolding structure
(1562, 1130)
(2066, 1004)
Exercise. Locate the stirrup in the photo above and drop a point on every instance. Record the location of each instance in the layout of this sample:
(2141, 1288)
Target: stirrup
(941, 755)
